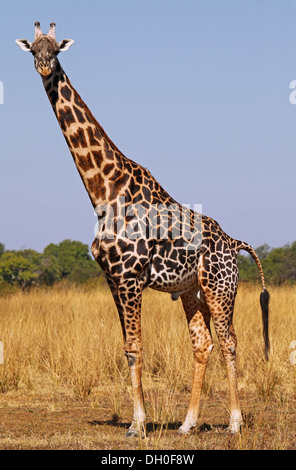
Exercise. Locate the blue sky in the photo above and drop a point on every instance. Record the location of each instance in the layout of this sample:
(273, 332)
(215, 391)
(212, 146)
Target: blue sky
(195, 90)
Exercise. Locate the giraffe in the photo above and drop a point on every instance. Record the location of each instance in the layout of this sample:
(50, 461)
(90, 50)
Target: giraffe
(147, 239)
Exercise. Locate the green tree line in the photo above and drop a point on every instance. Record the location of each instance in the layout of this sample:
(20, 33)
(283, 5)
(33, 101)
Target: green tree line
(279, 265)
(68, 260)
(71, 261)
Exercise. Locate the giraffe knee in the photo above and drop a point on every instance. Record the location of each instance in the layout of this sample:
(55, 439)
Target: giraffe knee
(228, 346)
(131, 358)
(202, 342)
(232, 341)
(133, 352)
(202, 351)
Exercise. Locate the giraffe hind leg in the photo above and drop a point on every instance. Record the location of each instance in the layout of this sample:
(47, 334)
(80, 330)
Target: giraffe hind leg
(228, 343)
(220, 295)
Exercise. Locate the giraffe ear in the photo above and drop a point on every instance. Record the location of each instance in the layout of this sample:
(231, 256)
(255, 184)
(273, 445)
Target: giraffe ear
(65, 44)
(24, 44)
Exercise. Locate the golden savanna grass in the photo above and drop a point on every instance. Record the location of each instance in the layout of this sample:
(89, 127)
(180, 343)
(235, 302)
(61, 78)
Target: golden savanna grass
(65, 382)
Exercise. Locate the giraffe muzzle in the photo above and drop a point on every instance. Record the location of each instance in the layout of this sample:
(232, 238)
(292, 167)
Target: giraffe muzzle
(44, 69)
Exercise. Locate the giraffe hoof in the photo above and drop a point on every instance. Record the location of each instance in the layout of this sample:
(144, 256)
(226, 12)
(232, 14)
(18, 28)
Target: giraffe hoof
(187, 426)
(133, 432)
(236, 422)
(233, 431)
(185, 430)
(234, 428)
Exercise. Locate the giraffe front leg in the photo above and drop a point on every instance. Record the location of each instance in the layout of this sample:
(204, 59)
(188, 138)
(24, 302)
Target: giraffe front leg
(129, 306)
(137, 428)
(199, 329)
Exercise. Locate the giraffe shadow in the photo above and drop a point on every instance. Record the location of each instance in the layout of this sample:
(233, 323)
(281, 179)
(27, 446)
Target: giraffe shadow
(205, 427)
(152, 427)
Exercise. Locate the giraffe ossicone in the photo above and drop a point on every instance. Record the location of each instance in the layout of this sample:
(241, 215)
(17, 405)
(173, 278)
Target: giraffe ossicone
(196, 261)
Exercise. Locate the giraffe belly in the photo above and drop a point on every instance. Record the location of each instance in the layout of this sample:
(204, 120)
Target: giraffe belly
(173, 284)
(173, 272)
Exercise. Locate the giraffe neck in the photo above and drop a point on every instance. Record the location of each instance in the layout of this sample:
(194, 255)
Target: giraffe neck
(99, 162)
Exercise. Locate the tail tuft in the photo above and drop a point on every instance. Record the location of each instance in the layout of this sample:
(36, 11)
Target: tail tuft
(264, 300)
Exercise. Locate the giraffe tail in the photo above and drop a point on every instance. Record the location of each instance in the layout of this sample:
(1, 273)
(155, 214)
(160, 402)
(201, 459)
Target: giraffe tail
(264, 296)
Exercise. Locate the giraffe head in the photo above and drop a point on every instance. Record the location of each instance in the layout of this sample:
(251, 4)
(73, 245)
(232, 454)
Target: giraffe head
(45, 49)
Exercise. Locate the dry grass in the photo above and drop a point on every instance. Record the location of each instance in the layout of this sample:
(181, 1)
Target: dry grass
(65, 381)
